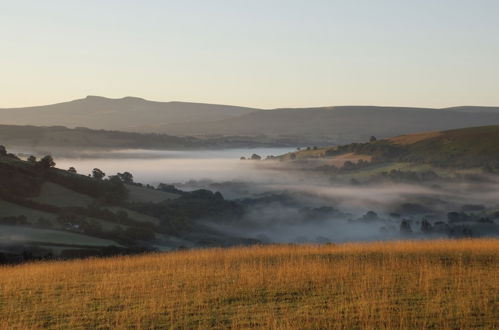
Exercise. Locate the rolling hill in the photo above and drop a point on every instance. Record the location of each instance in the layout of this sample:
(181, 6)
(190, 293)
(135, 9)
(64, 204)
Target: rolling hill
(46, 212)
(323, 125)
(126, 114)
(344, 124)
(459, 148)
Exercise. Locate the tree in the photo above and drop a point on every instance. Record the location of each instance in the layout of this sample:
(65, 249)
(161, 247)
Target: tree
(116, 191)
(3, 151)
(425, 226)
(405, 227)
(373, 139)
(72, 170)
(31, 159)
(169, 188)
(98, 174)
(46, 162)
(126, 177)
(370, 216)
(348, 165)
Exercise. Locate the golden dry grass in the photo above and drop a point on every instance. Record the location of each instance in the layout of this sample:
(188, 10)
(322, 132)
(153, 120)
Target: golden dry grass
(430, 284)
(413, 138)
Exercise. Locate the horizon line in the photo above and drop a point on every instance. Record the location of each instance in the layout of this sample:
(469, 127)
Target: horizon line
(249, 107)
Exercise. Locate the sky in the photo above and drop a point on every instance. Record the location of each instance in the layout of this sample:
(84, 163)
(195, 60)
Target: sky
(257, 53)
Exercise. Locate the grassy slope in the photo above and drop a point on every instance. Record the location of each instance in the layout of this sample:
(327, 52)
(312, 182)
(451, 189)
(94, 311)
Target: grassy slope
(8, 209)
(57, 195)
(468, 144)
(135, 215)
(426, 284)
(463, 148)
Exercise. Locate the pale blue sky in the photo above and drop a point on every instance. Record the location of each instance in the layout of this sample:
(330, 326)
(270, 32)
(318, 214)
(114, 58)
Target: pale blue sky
(261, 53)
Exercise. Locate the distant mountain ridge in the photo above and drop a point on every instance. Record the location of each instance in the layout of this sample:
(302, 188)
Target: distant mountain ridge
(326, 125)
(343, 124)
(125, 114)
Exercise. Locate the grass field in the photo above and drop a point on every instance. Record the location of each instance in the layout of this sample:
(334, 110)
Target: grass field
(425, 284)
(54, 194)
(8, 209)
(134, 215)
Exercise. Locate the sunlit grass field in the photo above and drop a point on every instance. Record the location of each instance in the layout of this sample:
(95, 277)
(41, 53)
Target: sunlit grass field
(430, 284)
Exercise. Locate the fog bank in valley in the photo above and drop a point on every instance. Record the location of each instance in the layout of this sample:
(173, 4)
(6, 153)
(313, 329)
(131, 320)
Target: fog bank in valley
(285, 205)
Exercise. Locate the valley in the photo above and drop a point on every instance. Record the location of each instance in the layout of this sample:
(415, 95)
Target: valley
(169, 200)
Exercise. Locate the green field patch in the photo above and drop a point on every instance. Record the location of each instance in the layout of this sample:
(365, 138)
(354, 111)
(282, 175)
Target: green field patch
(107, 226)
(134, 215)
(8, 209)
(57, 195)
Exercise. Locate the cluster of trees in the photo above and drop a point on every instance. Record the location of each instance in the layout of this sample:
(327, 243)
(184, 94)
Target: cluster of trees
(308, 148)
(98, 174)
(176, 215)
(253, 157)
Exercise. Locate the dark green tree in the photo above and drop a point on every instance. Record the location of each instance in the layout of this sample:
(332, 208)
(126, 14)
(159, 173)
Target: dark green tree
(126, 177)
(426, 226)
(46, 162)
(98, 174)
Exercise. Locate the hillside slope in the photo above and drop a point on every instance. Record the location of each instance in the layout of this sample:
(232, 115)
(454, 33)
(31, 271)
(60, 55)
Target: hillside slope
(467, 147)
(47, 212)
(458, 148)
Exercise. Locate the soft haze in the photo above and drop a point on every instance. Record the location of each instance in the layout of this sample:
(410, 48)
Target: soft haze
(252, 53)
